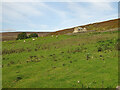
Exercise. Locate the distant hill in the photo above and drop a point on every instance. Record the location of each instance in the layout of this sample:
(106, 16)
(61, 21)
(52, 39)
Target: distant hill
(13, 35)
(99, 26)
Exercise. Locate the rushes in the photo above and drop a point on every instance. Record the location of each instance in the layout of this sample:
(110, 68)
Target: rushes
(5, 51)
(33, 59)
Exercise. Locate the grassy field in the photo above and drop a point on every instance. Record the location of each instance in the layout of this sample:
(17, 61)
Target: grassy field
(85, 60)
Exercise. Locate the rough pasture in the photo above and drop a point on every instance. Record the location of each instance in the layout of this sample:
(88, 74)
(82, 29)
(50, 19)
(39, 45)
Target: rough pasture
(85, 60)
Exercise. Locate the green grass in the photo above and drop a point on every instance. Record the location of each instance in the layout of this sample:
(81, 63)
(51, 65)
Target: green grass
(62, 62)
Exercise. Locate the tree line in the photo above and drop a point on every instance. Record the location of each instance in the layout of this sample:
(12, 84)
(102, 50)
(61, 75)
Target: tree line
(24, 35)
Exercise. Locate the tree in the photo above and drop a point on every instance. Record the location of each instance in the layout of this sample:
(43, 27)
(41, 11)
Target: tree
(22, 35)
(33, 35)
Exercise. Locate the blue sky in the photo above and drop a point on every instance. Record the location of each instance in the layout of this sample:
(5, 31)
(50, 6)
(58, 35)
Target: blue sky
(53, 16)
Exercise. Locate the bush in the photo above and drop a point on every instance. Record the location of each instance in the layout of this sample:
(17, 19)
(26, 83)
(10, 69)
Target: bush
(22, 35)
(33, 35)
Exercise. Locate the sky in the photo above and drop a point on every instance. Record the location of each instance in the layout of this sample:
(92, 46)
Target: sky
(54, 16)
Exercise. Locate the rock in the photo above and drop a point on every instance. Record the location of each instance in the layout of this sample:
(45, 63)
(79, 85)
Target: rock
(33, 39)
(118, 88)
(24, 41)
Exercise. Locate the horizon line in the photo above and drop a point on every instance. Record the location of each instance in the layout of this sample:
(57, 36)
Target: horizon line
(1, 31)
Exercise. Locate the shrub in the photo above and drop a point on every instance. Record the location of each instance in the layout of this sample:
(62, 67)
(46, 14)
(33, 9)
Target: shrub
(22, 35)
(33, 35)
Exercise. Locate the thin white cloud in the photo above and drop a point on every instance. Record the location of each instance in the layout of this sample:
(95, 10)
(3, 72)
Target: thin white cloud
(92, 9)
(20, 10)
(60, 13)
(93, 12)
(20, 13)
(103, 6)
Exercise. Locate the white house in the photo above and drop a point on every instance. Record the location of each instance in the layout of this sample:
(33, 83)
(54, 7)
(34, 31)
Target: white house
(79, 29)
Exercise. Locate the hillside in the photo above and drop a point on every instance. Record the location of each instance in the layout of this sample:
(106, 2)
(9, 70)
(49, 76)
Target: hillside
(13, 35)
(100, 26)
(84, 60)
